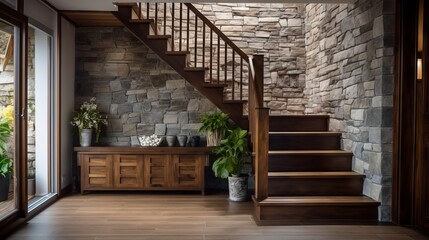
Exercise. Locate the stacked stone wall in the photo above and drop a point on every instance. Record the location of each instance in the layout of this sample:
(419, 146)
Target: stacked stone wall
(140, 94)
(277, 32)
(349, 56)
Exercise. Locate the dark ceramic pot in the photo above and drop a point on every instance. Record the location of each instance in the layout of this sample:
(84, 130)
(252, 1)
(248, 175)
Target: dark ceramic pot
(195, 141)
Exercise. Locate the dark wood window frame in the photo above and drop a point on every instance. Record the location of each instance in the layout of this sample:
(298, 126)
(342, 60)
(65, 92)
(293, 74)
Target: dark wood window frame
(17, 19)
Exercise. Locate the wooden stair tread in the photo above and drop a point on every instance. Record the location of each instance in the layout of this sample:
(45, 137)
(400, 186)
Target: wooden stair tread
(318, 200)
(234, 101)
(130, 4)
(141, 21)
(195, 69)
(155, 37)
(215, 85)
(348, 174)
(306, 133)
(177, 52)
(310, 152)
(299, 116)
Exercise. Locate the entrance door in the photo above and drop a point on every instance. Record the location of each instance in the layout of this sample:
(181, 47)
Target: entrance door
(422, 124)
(410, 189)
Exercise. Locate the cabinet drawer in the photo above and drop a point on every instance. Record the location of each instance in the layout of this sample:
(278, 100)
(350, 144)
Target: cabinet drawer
(97, 171)
(187, 171)
(128, 171)
(156, 171)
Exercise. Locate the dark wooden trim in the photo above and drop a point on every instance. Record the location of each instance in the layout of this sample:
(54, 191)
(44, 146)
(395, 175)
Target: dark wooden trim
(68, 19)
(146, 150)
(16, 18)
(22, 155)
(58, 107)
(12, 16)
(50, 5)
(65, 15)
(20, 6)
(404, 113)
(66, 190)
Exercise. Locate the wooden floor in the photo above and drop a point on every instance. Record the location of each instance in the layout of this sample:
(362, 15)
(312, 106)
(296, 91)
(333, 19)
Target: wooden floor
(182, 216)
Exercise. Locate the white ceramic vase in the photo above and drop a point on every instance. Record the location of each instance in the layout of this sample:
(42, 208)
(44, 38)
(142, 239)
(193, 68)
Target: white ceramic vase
(85, 137)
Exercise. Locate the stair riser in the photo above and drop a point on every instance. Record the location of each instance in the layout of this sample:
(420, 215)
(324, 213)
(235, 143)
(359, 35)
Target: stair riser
(309, 163)
(315, 186)
(125, 11)
(301, 124)
(177, 61)
(306, 142)
(158, 45)
(303, 214)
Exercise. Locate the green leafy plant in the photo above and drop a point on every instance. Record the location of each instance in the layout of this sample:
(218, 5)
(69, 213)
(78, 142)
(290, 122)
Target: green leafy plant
(214, 121)
(232, 153)
(5, 160)
(89, 117)
(214, 125)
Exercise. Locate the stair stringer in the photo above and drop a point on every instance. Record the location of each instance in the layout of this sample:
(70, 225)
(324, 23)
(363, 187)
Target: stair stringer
(141, 31)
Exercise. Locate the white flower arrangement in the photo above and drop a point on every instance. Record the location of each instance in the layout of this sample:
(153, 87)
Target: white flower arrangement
(89, 117)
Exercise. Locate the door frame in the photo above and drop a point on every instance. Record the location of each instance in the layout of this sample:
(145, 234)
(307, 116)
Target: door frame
(19, 20)
(409, 124)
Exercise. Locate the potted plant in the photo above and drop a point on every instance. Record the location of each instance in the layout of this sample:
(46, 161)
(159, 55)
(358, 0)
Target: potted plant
(214, 125)
(5, 160)
(86, 119)
(232, 155)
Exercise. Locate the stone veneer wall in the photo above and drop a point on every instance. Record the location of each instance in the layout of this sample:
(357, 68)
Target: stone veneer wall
(139, 93)
(277, 32)
(349, 49)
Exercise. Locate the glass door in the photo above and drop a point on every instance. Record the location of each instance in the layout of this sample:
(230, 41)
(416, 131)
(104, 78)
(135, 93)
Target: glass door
(39, 76)
(9, 165)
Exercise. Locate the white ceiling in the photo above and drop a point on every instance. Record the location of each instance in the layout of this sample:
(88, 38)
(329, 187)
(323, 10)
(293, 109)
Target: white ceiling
(107, 5)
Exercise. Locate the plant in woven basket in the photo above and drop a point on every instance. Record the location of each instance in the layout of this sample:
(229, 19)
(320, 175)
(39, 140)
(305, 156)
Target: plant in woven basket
(214, 125)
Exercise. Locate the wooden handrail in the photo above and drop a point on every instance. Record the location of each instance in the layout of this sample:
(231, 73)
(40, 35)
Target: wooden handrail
(217, 30)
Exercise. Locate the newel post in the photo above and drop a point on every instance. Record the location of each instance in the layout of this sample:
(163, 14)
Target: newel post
(261, 128)
(261, 153)
(258, 63)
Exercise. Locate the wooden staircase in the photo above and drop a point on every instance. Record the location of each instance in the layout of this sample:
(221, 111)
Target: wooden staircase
(301, 175)
(185, 39)
(310, 180)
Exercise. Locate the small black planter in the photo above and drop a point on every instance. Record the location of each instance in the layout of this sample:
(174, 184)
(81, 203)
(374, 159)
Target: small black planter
(4, 187)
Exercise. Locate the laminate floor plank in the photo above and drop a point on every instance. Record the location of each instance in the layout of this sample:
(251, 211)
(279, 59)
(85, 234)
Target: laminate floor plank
(159, 216)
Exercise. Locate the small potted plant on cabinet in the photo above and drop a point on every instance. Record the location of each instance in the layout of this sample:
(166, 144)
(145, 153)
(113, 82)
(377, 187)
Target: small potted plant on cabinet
(232, 155)
(5, 160)
(214, 125)
(86, 119)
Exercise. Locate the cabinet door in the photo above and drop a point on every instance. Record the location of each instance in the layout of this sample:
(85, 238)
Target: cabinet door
(187, 171)
(96, 171)
(156, 171)
(128, 171)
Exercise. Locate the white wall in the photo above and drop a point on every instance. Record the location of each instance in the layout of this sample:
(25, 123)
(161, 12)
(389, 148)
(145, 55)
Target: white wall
(42, 79)
(67, 99)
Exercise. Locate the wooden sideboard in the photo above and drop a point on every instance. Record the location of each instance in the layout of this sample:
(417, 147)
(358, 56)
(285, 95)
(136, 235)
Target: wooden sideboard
(142, 168)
